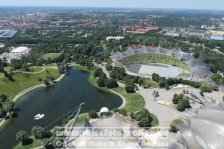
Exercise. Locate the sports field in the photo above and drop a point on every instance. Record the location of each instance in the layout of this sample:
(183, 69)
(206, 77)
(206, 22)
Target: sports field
(148, 58)
(148, 69)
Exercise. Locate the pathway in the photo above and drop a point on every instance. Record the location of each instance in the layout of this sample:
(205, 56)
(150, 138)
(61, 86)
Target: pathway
(43, 69)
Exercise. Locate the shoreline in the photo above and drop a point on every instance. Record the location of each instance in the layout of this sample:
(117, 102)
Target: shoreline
(122, 97)
(28, 90)
(102, 88)
(33, 87)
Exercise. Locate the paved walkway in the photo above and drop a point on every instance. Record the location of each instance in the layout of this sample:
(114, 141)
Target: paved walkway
(164, 114)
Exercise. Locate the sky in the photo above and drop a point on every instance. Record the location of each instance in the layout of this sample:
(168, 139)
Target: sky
(189, 4)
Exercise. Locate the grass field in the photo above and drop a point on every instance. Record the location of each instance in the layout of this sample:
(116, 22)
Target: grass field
(36, 69)
(51, 55)
(177, 122)
(23, 81)
(134, 101)
(159, 58)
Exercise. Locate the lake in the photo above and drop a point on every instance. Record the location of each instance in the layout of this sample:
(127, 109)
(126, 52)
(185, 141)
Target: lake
(54, 102)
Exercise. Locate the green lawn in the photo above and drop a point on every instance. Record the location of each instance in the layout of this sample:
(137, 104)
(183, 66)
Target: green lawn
(36, 69)
(51, 55)
(36, 143)
(134, 101)
(23, 81)
(177, 122)
(155, 121)
(159, 58)
(82, 117)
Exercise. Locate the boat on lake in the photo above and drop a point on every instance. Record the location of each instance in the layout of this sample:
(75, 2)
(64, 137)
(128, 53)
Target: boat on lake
(38, 116)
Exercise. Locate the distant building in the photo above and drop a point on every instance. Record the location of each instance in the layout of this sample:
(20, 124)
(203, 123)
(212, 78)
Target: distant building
(114, 38)
(15, 53)
(2, 45)
(142, 30)
(172, 34)
(7, 33)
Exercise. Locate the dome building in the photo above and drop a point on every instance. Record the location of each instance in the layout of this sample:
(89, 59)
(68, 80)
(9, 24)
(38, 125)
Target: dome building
(104, 109)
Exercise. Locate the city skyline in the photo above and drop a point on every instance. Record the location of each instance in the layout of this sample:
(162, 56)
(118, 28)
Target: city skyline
(185, 4)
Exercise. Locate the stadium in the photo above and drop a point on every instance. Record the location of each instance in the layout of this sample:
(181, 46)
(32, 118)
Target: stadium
(168, 63)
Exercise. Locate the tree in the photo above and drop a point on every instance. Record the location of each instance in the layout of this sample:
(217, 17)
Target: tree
(109, 67)
(3, 113)
(173, 129)
(3, 98)
(10, 107)
(10, 78)
(21, 136)
(101, 82)
(155, 77)
(46, 82)
(186, 103)
(98, 72)
(130, 89)
(144, 122)
(118, 73)
(111, 83)
(180, 106)
(93, 114)
(38, 132)
(175, 99)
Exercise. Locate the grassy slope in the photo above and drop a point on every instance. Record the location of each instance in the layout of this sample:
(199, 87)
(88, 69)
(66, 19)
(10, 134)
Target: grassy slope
(148, 57)
(177, 122)
(134, 101)
(23, 81)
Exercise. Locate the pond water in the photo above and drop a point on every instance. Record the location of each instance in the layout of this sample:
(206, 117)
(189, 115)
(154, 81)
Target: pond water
(55, 102)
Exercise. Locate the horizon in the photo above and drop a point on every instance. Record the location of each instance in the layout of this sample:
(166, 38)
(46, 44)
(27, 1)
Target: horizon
(144, 4)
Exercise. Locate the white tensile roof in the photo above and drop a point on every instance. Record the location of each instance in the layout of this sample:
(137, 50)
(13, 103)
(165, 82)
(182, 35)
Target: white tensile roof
(19, 49)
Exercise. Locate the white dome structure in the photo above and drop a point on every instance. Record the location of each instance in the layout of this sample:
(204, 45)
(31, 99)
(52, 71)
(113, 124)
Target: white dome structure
(104, 109)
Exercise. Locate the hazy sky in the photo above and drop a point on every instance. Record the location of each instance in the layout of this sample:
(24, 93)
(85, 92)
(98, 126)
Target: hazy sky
(192, 4)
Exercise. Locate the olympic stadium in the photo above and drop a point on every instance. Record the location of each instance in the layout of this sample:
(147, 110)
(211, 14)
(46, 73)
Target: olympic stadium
(169, 63)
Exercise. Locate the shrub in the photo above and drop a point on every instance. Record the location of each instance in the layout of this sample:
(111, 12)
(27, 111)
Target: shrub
(180, 106)
(101, 82)
(130, 89)
(173, 129)
(21, 136)
(38, 132)
(111, 83)
(93, 114)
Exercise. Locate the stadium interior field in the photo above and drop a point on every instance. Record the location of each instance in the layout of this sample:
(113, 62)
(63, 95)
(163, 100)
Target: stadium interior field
(148, 58)
(148, 63)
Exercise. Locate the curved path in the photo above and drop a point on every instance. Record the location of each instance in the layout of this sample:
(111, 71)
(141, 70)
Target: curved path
(43, 69)
(34, 87)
